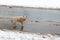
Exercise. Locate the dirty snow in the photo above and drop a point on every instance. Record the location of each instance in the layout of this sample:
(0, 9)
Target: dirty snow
(16, 35)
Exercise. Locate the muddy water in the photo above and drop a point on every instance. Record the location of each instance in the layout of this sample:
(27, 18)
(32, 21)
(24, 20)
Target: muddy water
(39, 20)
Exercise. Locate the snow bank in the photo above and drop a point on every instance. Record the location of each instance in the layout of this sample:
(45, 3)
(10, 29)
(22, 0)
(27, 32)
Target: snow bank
(33, 3)
(15, 35)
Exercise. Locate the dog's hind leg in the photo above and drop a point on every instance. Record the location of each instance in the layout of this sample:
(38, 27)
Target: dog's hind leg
(14, 25)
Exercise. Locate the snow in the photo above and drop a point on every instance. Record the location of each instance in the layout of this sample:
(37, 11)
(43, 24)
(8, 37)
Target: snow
(32, 3)
(16, 35)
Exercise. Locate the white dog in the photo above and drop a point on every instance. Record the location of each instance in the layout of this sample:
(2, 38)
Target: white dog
(20, 19)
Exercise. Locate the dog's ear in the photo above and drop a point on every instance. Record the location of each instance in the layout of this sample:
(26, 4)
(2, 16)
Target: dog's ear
(23, 16)
(26, 16)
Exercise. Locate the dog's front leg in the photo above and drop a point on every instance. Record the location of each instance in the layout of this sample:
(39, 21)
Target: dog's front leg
(22, 26)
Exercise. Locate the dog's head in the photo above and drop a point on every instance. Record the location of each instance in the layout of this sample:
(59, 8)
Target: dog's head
(24, 17)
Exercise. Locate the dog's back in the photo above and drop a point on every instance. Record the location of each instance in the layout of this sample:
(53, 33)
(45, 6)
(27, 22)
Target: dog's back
(19, 19)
